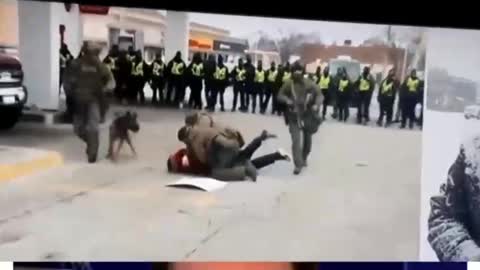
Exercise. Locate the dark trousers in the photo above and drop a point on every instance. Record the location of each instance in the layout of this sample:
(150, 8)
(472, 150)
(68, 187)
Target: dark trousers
(175, 90)
(249, 90)
(195, 100)
(276, 107)
(343, 105)
(326, 101)
(117, 89)
(69, 108)
(158, 86)
(408, 110)
(238, 89)
(218, 92)
(123, 87)
(132, 89)
(386, 109)
(221, 157)
(267, 94)
(209, 88)
(140, 83)
(420, 118)
(363, 109)
(258, 89)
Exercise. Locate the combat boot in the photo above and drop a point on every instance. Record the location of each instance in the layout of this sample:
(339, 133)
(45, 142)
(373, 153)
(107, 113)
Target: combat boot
(297, 170)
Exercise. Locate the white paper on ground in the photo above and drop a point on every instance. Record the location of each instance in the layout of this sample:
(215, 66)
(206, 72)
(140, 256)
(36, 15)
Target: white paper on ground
(6, 265)
(473, 266)
(203, 183)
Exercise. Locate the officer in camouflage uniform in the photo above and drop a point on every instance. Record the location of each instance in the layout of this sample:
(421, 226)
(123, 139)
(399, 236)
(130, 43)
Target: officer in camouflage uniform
(303, 99)
(86, 80)
(454, 222)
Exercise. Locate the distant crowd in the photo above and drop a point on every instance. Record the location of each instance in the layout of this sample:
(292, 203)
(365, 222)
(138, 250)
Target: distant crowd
(255, 87)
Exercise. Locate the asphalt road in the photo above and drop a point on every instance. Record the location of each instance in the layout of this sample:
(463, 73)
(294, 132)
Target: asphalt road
(358, 200)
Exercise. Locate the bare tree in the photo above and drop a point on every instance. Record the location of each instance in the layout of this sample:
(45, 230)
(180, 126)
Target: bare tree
(293, 42)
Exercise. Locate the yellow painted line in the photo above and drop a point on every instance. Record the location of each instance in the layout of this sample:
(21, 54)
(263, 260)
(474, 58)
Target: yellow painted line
(46, 161)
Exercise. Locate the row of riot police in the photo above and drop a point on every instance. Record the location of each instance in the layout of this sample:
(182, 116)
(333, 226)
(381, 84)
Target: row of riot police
(255, 86)
(343, 92)
(252, 85)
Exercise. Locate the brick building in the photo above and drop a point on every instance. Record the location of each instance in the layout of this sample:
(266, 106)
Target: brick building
(379, 57)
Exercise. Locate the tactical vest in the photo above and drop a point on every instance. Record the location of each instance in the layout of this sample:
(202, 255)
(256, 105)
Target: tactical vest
(343, 85)
(220, 73)
(272, 76)
(364, 85)
(387, 88)
(240, 76)
(324, 82)
(197, 69)
(177, 68)
(259, 76)
(412, 84)
(286, 76)
(158, 69)
(137, 69)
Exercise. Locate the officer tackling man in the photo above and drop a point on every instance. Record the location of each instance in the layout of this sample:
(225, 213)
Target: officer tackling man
(86, 80)
(303, 99)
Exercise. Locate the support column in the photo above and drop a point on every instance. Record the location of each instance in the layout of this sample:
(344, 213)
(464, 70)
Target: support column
(176, 36)
(39, 44)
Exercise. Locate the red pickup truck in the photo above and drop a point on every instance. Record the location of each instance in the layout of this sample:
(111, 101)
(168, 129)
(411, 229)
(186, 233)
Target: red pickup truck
(13, 94)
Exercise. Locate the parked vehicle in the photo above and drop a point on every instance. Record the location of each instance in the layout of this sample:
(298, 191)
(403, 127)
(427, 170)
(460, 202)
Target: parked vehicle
(13, 94)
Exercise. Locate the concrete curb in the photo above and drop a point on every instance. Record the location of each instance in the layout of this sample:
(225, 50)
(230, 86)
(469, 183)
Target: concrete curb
(44, 161)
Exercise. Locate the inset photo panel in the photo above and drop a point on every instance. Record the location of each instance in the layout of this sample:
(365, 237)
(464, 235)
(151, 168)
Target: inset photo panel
(450, 204)
(164, 135)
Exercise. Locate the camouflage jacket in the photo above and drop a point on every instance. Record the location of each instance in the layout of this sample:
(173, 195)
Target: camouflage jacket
(454, 222)
(86, 81)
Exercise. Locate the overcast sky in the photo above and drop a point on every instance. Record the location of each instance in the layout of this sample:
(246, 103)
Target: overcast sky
(243, 26)
(458, 51)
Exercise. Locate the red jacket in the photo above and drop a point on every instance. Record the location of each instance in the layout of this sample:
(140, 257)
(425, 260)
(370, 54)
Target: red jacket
(194, 166)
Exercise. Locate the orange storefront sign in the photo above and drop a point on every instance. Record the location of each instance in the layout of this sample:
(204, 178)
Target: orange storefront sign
(200, 43)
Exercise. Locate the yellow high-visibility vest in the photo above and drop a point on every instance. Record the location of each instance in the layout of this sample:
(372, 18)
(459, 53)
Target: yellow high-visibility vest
(324, 82)
(137, 70)
(177, 68)
(286, 76)
(240, 76)
(412, 84)
(158, 69)
(272, 76)
(343, 85)
(364, 84)
(387, 87)
(197, 69)
(220, 73)
(259, 76)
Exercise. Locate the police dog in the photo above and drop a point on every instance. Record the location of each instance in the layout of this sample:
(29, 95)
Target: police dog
(119, 132)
